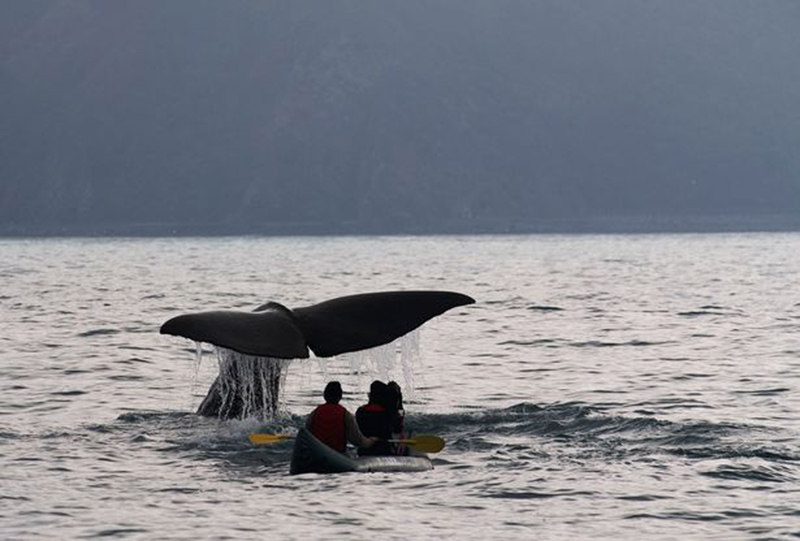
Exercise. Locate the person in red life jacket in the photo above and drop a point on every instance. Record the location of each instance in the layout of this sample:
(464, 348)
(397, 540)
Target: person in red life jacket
(333, 425)
(375, 420)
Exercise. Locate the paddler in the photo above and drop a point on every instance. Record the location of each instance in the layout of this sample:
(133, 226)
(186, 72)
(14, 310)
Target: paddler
(333, 425)
(376, 420)
(394, 404)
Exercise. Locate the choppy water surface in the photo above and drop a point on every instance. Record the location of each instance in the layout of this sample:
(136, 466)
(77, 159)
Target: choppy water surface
(602, 386)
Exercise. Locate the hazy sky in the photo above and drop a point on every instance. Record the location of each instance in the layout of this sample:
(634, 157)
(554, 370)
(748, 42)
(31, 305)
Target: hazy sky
(395, 115)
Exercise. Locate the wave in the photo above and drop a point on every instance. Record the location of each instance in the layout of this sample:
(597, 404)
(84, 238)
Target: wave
(523, 436)
(542, 308)
(592, 432)
(763, 473)
(98, 332)
(710, 310)
(631, 343)
(557, 342)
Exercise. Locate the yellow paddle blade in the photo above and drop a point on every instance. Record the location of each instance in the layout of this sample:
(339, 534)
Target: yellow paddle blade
(424, 443)
(268, 439)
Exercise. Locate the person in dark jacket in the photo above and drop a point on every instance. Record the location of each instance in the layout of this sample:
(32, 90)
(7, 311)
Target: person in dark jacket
(394, 405)
(333, 425)
(375, 420)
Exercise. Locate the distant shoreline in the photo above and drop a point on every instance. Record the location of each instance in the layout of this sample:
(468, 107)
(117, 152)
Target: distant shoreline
(593, 225)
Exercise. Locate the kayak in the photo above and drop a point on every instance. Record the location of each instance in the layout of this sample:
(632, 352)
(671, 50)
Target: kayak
(312, 456)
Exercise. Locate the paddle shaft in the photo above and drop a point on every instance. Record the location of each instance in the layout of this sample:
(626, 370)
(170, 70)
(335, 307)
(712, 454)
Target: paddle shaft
(424, 442)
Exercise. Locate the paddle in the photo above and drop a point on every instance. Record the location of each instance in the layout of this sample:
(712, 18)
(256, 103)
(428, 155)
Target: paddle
(424, 443)
(268, 439)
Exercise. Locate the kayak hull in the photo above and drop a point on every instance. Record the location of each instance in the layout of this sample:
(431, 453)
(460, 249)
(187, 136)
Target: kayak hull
(312, 456)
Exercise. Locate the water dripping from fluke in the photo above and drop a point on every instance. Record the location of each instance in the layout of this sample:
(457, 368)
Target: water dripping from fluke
(247, 386)
(252, 387)
(255, 348)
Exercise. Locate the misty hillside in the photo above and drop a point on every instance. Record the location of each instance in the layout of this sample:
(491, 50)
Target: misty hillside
(408, 116)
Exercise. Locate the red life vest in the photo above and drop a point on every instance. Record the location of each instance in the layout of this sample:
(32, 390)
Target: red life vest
(373, 408)
(327, 425)
(373, 420)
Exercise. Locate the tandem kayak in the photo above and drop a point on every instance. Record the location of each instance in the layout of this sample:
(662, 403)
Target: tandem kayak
(312, 456)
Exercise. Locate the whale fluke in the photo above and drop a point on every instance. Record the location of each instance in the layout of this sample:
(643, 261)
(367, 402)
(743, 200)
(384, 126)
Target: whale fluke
(368, 320)
(252, 344)
(268, 333)
(329, 328)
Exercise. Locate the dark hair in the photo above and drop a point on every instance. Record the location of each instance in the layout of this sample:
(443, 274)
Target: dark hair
(397, 395)
(377, 392)
(333, 392)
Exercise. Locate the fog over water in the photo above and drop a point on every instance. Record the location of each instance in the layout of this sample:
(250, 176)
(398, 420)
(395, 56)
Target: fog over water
(420, 116)
(622, 387)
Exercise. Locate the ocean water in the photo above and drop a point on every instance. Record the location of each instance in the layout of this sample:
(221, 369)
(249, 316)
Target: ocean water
(624, 387)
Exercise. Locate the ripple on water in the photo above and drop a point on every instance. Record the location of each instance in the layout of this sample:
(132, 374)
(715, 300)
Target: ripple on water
(753, 471)
(763, 392)
(117, 532)
(68, 393)
(545, 308)
(98, 332)
(529, 495)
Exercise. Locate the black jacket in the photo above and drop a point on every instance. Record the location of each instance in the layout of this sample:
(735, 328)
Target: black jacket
(373, 420)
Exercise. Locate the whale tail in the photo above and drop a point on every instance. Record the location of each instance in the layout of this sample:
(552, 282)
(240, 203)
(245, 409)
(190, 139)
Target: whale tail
(253, 346)
(330, 328)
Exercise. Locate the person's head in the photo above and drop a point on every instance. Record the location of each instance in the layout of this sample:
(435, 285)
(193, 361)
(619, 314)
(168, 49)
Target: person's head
(377, 392)
(333, 392)
(397, 395)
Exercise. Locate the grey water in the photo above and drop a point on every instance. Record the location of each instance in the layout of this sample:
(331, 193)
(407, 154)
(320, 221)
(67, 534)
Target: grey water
(601, 387)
